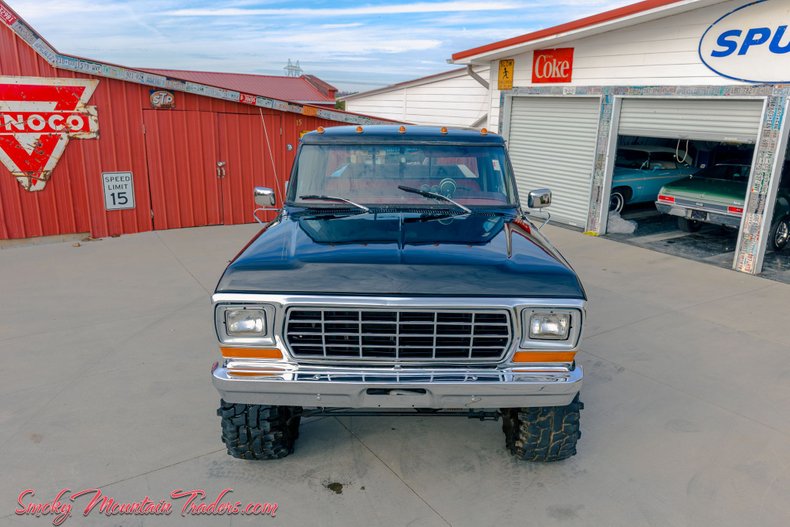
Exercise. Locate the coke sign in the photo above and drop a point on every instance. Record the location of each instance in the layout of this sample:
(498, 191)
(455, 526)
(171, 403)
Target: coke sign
(552, 65)
(38, 116)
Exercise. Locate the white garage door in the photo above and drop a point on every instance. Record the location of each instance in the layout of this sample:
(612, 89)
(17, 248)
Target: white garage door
(552, 144)
(723, 119)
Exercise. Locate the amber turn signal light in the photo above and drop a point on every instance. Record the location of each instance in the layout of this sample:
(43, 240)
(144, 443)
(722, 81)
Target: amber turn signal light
(543, 356)
(251, 353)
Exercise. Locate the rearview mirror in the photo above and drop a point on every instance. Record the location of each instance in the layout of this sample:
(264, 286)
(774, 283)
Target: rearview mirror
(539, 198)
(264, 197)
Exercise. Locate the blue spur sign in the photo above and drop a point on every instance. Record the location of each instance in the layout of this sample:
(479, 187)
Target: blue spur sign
(750, 43)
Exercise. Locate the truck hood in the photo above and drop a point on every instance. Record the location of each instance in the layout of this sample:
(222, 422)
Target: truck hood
(395, 254)
(706, 189)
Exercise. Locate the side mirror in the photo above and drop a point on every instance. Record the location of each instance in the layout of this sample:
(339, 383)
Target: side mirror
(264, 197)
(539, 198)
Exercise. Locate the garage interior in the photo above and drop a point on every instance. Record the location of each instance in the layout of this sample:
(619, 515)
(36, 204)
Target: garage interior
(672, 142)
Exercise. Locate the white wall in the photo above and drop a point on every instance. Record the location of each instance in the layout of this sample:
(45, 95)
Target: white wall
(661, 52)
(456, 100)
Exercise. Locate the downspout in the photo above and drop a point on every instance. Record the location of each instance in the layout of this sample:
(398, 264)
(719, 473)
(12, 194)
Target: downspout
(472, 73)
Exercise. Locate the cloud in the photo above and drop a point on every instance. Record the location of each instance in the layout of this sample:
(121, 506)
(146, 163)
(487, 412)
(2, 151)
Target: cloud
(354, 44)
(338, 26)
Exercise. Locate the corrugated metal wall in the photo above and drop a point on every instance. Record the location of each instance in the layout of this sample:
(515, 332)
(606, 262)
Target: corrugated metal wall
(73, 201)
(552, 144)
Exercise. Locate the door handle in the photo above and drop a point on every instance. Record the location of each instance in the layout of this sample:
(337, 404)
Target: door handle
(221, 169)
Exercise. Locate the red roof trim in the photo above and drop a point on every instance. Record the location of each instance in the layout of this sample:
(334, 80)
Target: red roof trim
(606, 16)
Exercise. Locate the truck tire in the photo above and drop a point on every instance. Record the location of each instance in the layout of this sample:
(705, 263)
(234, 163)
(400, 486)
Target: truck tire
(253, 431)
(547, 433)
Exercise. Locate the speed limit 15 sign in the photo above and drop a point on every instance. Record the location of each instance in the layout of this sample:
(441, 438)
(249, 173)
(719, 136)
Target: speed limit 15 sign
(118, 190)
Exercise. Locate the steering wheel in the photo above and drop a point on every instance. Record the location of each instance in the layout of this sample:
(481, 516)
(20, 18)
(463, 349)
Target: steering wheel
(447, 187)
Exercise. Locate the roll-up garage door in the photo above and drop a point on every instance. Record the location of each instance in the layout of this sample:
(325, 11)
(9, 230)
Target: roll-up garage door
(552, 144)
(723, 119)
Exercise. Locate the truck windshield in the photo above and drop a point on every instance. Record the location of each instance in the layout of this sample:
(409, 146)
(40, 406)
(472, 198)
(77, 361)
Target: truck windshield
(370, 175)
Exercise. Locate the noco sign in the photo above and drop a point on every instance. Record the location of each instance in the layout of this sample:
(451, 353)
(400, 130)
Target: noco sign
(37, 118)
(552, 65)
(751, 43)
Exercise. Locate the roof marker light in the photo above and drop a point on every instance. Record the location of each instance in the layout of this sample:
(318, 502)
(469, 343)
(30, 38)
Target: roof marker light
(443, 129)
(402, 129)
(320, 129)
(359, 129)
(484, 131)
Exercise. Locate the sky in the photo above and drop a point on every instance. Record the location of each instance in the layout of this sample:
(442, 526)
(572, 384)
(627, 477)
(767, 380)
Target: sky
(356, 46)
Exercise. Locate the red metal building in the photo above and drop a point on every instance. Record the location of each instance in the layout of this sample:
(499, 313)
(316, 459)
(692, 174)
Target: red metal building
(91, 147)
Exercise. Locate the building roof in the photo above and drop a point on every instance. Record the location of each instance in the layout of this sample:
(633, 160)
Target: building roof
(629, 14)
(457, 72)
(294, 89)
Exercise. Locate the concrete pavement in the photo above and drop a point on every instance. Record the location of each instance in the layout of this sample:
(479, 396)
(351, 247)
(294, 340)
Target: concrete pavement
(106, 350)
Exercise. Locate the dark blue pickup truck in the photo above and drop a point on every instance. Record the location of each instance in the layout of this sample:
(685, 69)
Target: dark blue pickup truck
(401, 276)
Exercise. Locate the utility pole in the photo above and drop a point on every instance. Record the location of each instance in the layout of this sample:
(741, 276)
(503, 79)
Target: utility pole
(293, 69)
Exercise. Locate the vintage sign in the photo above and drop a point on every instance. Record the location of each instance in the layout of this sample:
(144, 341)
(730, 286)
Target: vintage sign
(505, 77)
(37, 118)
(162, 100)
(552, 65)
(118, 190)
(751, 43)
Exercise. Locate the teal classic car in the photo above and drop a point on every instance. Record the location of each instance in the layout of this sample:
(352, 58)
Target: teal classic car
(640, 172)
(716, 195)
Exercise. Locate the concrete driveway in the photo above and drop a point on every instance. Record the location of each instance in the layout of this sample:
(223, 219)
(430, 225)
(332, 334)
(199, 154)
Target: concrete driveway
(106, 350)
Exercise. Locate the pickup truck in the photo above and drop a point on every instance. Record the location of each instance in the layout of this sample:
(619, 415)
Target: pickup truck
(401, 276)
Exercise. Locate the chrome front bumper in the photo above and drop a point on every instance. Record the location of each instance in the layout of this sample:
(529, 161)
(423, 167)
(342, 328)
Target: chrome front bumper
(314, 386)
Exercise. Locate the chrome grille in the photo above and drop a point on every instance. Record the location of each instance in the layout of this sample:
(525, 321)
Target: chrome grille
(397, 335)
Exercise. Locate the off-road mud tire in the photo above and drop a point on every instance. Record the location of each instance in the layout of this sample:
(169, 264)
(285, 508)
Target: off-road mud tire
(547, 433)
(253, 431)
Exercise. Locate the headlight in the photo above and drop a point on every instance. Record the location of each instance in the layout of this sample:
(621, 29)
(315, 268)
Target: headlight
(549, 326)
(245, 322)
(250, 324)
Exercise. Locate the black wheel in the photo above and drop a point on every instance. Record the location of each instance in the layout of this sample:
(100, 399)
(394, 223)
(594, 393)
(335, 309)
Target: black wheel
(780, 234)
(687, 225)
(547, 433)
(617, 200)
(253, 431)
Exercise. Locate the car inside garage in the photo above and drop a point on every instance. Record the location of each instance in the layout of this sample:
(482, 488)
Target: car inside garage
(680, 174)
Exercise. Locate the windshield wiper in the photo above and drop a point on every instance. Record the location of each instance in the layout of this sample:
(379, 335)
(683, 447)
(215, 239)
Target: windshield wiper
(336, 199)
(436, 196)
